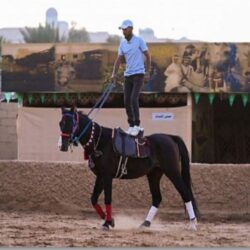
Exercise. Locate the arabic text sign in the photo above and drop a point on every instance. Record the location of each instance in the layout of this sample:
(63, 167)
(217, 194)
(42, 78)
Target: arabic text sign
(162, 116)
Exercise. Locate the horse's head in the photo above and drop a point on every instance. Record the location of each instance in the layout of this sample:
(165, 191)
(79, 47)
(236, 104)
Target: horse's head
(68, 126)
(74, 127)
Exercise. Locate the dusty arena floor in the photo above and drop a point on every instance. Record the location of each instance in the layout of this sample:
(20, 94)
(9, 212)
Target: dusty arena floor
(48, 204)
(19, 229)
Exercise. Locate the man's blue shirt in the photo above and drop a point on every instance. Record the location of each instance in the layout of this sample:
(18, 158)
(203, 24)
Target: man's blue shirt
(133, 51)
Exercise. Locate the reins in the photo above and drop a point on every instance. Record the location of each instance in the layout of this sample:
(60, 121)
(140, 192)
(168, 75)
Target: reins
(99, 104)
(102, 99)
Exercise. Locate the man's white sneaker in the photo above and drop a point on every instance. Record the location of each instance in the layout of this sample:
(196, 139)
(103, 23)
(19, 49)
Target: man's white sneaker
(135, 131)
(141, 129)
(130, 129)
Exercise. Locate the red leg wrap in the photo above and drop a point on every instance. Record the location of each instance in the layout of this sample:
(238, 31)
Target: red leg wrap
(109, 212)
(99, 210)
(85, 155)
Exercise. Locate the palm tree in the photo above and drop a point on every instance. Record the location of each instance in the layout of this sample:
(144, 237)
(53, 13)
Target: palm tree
(42, 34)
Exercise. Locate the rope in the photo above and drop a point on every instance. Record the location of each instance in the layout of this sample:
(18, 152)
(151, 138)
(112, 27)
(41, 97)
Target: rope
(100, 102)
(122, 166)
(119, 166)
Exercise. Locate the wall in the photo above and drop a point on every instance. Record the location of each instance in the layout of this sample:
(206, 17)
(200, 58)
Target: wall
(8, 134)
(203, 147)
(38, 129)
(221, 132)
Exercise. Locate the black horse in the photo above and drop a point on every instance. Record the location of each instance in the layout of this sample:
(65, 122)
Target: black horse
(169, 156)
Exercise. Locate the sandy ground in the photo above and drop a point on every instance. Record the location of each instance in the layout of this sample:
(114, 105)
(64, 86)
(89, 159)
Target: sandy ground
(48, 204)
(20, 229)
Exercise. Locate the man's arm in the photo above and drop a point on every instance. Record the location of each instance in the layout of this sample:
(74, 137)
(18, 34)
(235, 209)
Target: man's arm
(148, 61)
(148, 65)
(117, 64)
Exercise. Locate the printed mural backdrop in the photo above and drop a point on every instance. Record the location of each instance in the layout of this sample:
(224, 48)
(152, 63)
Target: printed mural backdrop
(179, 67)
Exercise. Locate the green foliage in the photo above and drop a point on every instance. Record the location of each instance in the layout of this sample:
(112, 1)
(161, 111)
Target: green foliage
(2, 40)
(77, 36)
(42, 34)
(49, 34)
(114, 39)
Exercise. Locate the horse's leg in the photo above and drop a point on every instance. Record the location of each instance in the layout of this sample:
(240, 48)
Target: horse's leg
(107, 181)
(98, 188)
(186, 197)
(154, 184)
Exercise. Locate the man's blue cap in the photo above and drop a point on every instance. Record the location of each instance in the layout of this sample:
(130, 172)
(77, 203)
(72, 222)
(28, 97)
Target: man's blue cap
(125, 24)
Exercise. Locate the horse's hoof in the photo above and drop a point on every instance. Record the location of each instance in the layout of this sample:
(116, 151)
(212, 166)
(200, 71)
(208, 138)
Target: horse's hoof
(112, 223)
(105, 228)
(106, 224)
(146, 223)
(193, 224)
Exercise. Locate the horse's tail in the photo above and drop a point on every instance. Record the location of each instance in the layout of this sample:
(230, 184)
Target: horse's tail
(185, 169)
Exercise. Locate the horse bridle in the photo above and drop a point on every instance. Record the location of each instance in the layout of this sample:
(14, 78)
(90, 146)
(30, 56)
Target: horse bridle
(74, 128)
(73, 139)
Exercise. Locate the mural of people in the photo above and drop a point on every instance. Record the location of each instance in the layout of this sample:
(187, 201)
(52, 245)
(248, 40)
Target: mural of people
(65, 72)
(174, 75)
(204, 61)
(154, 82)
(176, 67)
(187, 71)
(181, 76)
(194, 55)
(247, 82)
(228, 64)
(217, 83)
(234, 69)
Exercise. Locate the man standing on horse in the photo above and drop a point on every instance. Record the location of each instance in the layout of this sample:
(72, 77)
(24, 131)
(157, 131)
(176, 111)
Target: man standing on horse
(132, 50)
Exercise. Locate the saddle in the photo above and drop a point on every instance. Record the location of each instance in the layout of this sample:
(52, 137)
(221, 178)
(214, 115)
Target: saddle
(130, 146)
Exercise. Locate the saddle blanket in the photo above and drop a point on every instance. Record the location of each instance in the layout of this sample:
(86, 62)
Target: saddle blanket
(130, 146)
